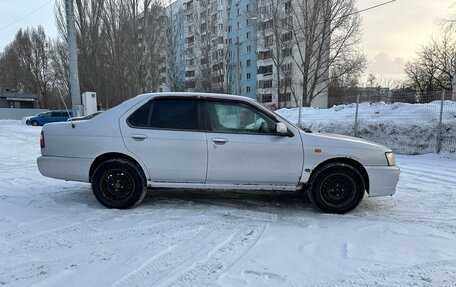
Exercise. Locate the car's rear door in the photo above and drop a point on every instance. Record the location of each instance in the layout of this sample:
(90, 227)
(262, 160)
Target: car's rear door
(244, 149)
(57, 116)
(166, 134)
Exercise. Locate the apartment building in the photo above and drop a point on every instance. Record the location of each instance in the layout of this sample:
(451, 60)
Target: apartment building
(234, 46)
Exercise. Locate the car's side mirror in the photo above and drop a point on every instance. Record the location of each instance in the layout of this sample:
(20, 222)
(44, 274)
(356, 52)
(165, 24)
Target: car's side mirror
(281, 129)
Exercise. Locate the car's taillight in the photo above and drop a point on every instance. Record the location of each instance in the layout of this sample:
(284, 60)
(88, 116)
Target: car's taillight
(42, 140)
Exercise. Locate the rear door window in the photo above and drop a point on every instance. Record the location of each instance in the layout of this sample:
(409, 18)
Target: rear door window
(171, 114)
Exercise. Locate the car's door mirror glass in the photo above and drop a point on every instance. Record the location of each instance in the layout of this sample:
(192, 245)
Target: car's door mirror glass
(281, 128)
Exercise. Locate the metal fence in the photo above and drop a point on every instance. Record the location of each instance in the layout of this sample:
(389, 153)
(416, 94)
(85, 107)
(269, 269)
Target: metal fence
(411, 125)
(17, 114)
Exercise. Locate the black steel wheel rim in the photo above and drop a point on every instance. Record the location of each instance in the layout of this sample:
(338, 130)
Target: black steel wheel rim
(117, 185)
(338, 190)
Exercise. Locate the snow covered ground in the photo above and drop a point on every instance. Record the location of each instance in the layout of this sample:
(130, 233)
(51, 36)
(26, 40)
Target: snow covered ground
(54, 233)
(406, 128)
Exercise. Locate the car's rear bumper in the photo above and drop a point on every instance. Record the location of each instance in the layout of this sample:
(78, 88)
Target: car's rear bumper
(382, 180)
(74, 169)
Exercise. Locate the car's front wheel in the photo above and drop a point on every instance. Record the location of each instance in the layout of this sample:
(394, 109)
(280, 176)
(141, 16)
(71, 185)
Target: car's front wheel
(35, 123)
(337, 188)
(119, 183)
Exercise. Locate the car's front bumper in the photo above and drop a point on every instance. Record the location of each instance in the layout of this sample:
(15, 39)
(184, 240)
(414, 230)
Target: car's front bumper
(74, 169)
(382, 180)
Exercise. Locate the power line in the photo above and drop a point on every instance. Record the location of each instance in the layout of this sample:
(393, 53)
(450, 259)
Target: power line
(373, 7)
(25, 16)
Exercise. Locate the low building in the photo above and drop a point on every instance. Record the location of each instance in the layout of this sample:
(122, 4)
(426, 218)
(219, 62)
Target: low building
(15, 100)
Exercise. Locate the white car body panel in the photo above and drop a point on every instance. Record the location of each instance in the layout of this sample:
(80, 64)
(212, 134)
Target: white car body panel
(190, 159)
(254, 159)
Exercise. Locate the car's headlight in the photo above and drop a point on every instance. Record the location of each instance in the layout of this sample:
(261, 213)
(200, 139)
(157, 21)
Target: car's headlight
(390, 158)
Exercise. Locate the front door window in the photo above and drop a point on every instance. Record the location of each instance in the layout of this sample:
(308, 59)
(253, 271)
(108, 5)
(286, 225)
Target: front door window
(238, 118)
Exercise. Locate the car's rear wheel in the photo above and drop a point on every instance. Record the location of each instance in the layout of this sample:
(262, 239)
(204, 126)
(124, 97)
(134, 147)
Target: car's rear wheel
(337, 188)
(35, 123)
(119, 183)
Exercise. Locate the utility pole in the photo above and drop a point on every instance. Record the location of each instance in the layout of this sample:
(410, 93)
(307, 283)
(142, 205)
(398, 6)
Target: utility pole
(453, 97)
(73, 59)
(238, 66)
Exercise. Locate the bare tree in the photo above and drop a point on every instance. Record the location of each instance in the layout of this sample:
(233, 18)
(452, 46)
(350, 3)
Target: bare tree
(26, 64)
(344, 79)
(10, 71)
(325, 33)
(120, 46)
(275, 35)
(172, 66)
(207, 32)
(434, 67)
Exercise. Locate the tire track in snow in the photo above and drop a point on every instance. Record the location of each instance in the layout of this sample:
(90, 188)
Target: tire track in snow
(235, 214)
(162, 264)
(36, 227)
(440, 273)
(219, 259)
(429, 178)
(27, 273)
(54, 241)
(53, 224)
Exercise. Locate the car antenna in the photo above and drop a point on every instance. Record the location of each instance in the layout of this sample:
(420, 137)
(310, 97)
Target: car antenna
(68, 112)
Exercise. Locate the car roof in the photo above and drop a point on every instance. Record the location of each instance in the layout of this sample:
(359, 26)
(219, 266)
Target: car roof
(201, 95)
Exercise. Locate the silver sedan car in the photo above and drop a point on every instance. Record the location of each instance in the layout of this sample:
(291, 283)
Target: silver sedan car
(211, 141)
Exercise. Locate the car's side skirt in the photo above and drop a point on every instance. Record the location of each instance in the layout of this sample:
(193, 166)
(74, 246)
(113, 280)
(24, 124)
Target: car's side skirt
(271, 187)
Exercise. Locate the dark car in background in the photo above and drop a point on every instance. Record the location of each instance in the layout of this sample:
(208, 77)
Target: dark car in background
(49, 117)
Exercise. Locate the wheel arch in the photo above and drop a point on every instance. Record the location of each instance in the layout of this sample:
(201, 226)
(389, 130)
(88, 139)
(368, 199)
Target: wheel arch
(112, 155)
(356, 164)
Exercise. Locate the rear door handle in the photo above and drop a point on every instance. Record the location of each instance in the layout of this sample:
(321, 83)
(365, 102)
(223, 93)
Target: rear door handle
(219, 141)
(139, 137)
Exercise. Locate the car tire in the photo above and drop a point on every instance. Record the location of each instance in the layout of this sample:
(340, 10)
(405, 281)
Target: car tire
(119, 183)
(35, 123)
(336, 188)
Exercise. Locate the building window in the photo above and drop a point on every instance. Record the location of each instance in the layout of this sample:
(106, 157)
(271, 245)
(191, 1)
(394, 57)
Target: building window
(247, 89)
(285, 97)
(264, 98)
(288, 6)
(190, 74)
(287, 37)
(264, 55)
(287, 52)
(248, 63)
(265, 70)
(247, 35)
(248, 48)
(265, 84)
(249, 76)
(286, 68)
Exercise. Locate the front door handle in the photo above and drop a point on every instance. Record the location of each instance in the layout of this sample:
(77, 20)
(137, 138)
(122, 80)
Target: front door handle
(139, 137)
(220, 141)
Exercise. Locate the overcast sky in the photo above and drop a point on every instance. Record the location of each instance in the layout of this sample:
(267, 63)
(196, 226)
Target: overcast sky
(391, 34)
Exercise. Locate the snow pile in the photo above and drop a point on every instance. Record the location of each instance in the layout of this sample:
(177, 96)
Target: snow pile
(406, 128)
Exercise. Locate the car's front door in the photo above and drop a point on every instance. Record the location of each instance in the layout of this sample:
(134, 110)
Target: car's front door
(244, 149)
(166, 135)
